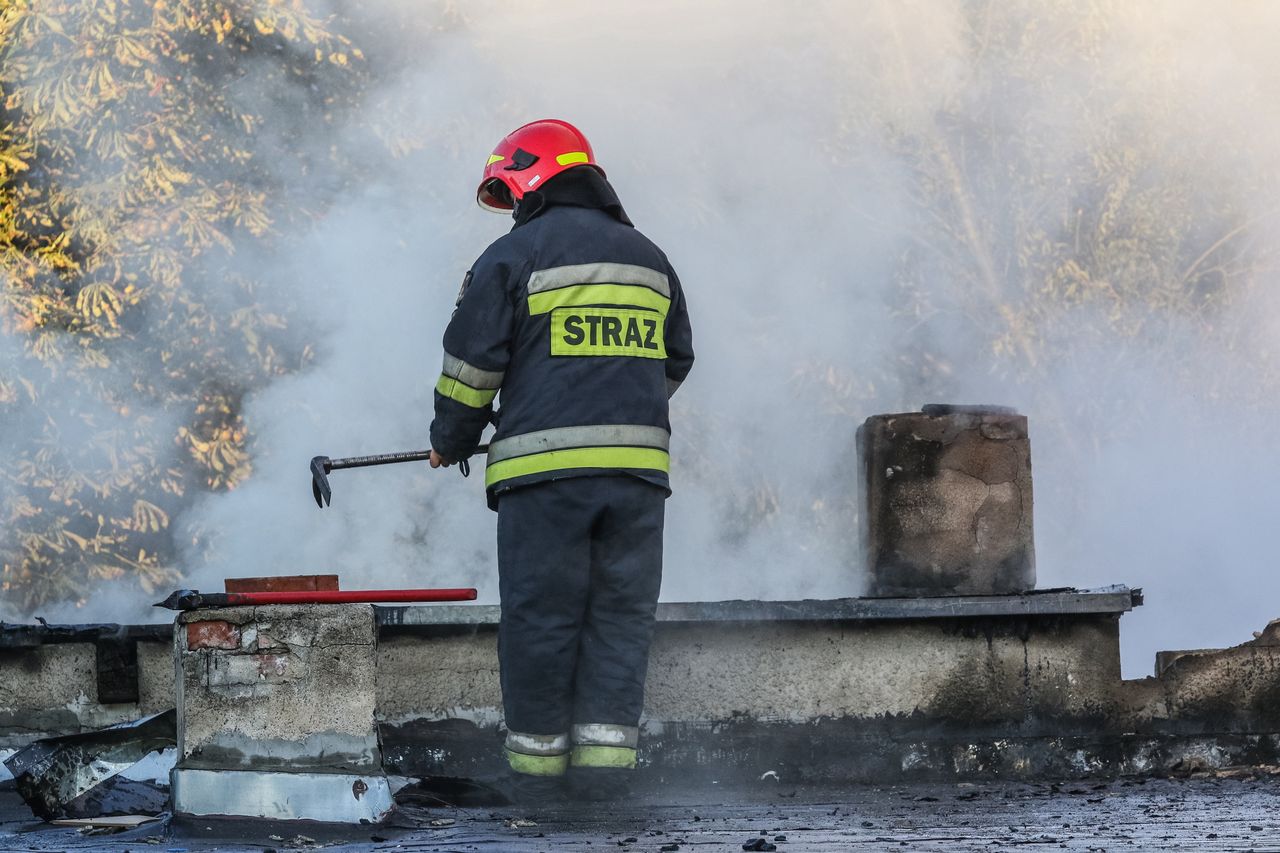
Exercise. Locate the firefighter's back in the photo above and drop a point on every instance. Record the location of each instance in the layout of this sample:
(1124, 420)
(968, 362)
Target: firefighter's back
(586, 387)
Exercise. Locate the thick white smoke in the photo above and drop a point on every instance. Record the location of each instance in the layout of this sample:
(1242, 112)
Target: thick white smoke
(775, 151)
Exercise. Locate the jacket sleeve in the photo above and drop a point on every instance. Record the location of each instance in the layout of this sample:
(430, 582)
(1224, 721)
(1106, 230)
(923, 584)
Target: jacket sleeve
(477, 347)
(679, 337)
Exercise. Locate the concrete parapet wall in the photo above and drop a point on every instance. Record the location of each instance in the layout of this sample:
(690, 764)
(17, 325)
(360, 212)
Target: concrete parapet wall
(155, 677)
(47, 676)
(864, 689)
(450, 674)
(975, 671)
(1234, 690)
(875, 699)
(820, 698)
(48, 690)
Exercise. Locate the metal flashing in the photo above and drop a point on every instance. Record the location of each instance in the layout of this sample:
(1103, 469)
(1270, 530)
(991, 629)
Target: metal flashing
(1114, 599)
(14, 635)
(52, 772)
(326, 797)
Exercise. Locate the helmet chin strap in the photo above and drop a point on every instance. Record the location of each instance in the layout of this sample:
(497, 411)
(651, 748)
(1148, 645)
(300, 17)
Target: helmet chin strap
(528, 204)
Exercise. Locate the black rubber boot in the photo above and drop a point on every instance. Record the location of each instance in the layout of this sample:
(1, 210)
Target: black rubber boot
(599, 784)
(506, 789)
(525, 790)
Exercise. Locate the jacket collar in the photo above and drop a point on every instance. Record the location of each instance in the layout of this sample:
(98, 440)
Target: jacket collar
(577, 187)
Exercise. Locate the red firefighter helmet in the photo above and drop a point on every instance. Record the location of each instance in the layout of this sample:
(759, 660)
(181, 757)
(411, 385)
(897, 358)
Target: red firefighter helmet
(529, 156)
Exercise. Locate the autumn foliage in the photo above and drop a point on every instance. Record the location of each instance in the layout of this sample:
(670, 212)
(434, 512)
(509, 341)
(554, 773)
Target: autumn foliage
(129, 189)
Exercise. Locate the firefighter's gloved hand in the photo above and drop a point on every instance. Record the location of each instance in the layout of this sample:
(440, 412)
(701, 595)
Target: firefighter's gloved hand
(438, 461)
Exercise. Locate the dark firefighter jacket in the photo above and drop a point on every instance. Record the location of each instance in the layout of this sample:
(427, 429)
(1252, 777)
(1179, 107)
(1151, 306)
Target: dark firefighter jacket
(579, 320)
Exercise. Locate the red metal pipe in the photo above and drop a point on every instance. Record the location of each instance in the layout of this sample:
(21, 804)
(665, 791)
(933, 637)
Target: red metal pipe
(189, 599)
(348, 596)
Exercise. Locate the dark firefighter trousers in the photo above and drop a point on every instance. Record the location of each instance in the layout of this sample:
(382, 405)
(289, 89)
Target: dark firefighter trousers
(579, 567)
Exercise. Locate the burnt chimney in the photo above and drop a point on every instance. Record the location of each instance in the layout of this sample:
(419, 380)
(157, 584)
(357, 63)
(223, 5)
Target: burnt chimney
(947, 502)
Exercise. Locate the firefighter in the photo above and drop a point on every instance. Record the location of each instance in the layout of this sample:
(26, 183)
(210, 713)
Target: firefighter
(579, 320)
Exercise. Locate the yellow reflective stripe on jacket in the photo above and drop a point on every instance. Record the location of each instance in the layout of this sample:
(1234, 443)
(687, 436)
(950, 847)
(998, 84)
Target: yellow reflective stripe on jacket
(633, 295)
(603, 756)
(538, 765)
(466, 395)
(578, 457)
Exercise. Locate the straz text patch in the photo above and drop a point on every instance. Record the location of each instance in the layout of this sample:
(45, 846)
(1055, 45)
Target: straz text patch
(607, 331)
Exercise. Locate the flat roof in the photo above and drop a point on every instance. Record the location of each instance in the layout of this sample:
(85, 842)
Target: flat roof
(974, 817)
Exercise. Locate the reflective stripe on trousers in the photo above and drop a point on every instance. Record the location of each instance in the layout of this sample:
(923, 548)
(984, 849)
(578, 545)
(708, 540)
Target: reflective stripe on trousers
(604, 745)
(537, 755)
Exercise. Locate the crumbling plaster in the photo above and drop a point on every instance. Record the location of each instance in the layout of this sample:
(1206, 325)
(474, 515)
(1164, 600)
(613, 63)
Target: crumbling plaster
(300, 689)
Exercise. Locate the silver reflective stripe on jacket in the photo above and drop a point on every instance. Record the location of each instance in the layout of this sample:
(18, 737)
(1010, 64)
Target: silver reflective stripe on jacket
(603, 273)
(564, 438)
(468, 374)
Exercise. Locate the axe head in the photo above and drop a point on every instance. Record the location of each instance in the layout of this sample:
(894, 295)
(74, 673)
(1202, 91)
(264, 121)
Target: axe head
(182, 599)
(320, 481)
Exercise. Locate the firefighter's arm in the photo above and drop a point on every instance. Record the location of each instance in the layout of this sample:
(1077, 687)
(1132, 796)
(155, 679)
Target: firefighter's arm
(477, 347)
(679, 337)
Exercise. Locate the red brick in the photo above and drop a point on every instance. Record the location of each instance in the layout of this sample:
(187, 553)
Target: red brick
(214, 634)
(282, 583)
(272, 667)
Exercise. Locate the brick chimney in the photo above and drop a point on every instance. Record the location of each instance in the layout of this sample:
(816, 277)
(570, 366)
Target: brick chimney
(947, 502)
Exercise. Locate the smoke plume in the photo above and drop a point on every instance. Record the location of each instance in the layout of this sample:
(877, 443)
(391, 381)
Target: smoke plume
(1063, 207)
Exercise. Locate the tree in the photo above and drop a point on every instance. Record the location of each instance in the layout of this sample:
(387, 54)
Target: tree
(128, 184)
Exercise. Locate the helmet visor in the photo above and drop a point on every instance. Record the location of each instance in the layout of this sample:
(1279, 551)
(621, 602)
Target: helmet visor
(496, 196)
